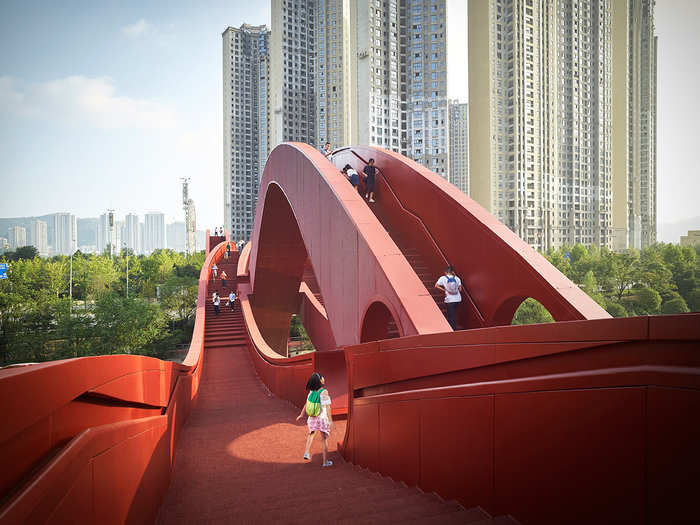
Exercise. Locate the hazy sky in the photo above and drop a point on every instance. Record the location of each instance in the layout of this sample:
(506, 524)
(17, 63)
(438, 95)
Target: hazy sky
(107, 104)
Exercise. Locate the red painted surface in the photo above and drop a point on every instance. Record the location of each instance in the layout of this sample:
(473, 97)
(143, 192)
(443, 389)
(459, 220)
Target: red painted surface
(589, 420)
(498, 269)
(95, 437)
(581, 422)
(307, 210)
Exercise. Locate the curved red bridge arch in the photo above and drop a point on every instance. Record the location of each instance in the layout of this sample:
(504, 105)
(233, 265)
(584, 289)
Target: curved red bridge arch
(308, 211)
(97, 436)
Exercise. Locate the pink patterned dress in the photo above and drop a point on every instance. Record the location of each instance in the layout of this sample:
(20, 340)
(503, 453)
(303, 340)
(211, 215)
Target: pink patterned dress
(321, 422)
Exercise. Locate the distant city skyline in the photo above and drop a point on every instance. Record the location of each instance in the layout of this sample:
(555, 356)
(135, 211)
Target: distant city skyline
(89, 115)
(62, 232)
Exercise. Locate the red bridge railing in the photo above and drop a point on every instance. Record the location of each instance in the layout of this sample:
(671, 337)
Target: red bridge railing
(95, 437)
(574, 422)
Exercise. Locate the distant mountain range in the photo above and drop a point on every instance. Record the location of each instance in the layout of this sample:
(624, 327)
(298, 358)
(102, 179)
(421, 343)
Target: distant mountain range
(672, 231)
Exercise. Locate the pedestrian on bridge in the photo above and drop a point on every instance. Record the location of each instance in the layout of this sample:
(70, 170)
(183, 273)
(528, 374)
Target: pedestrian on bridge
(328, 151)
(223, 278)
(318, 410)
(216, 300)
(232, 299)
(370, 174)
(215, 271)
(451, 285)
(352, 176)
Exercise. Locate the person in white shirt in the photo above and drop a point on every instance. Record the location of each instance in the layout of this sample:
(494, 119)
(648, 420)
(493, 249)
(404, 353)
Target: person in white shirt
(231, 299)
(451, 285)
(327, 151)
(216, 300)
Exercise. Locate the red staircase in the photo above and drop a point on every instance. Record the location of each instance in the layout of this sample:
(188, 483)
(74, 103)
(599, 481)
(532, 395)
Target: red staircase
(414, 258)
(239, 459)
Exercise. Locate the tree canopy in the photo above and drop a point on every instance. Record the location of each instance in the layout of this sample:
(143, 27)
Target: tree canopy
(40, 322)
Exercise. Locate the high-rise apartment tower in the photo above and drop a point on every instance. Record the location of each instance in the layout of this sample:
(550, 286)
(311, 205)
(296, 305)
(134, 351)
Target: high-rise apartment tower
(132, 233)
(634, 123)
(40, 241)
(426, 83)
(540, 117)
(459, 145)
(154, 232)
(381, 76)
(246, 70)
(65, 234)
(292, 72)
(17, 237)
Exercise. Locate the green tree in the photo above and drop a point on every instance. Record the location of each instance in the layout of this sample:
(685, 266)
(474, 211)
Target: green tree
(179, 295)
(694, 300)
(683, 263)
(644, 301)
(618, 273)
(99, 276)
(531, 311)
(653, 272)
(674, 306)
(616, 309)
(126, 326)
(22, 253)
(590, 286)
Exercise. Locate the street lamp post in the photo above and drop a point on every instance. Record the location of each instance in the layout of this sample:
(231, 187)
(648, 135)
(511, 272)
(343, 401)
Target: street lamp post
(70, 287)
(126, 247)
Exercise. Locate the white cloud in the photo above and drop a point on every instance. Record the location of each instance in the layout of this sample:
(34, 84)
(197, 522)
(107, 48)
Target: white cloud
(83, 100)
(136, 29)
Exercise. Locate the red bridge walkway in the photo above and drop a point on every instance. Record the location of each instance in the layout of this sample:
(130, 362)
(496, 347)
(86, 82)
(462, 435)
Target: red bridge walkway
(587, 420)
(239, 459)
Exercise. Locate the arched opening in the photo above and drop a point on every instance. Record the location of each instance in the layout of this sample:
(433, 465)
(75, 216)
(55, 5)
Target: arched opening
(282, 264)
(378, 323)
(281, 256)
(531, 311)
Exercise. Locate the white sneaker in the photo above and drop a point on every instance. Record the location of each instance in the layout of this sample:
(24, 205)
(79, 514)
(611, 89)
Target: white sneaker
(366, 195)
(371, 200)
(328, 463)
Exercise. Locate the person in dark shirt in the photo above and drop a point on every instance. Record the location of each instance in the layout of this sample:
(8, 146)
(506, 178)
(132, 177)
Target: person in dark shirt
(352, 176)
(370, 174)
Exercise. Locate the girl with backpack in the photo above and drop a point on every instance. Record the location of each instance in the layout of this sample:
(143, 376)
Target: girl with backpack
(318, 410)
(451, 285)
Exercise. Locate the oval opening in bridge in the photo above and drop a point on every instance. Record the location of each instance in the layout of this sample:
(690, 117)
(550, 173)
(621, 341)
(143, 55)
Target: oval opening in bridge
(378, 324)
(531, 311)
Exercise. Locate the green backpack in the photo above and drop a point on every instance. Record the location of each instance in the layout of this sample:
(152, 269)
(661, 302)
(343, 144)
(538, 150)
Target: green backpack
(313, 403)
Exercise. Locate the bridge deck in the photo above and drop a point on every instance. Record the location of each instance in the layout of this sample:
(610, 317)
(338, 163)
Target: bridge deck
(239, 459)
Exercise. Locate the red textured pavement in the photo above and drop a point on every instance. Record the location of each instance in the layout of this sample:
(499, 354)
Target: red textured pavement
(239, 459)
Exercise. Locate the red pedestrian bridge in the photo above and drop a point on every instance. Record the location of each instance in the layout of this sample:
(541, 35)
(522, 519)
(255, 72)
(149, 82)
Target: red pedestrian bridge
(586, 420)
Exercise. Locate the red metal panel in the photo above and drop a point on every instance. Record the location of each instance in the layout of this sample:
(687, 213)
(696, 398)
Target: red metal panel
(617, 329)
(77, 501)
(81, 399)
(347, 226)
(681, 326)
(498, 269)
(673, 464)
(125, 484)
(576, 456)
(365, 429)
(149, 387)
(399, 441)
(68, 421)
(465, 425)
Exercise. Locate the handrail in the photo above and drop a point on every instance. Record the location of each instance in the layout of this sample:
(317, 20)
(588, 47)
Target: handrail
(130, 410)
(258, 341)
(422, 224)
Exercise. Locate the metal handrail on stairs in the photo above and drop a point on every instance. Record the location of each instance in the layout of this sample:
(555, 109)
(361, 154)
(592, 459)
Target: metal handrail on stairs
(422, 225)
